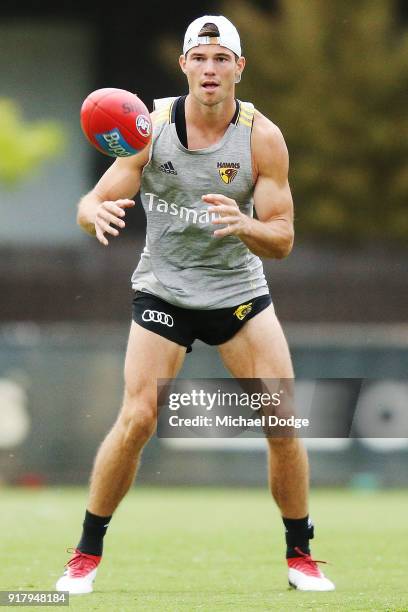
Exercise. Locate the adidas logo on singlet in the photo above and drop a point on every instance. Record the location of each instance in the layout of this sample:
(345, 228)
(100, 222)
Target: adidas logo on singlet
(168, 168)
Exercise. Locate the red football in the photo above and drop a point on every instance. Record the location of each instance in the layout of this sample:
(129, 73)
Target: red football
(116, 122)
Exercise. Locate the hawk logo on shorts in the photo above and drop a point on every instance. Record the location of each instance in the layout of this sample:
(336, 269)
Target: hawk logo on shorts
(242, 311)
(228, 171)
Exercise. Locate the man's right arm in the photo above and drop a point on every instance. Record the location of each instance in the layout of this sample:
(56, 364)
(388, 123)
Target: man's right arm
(104, 206)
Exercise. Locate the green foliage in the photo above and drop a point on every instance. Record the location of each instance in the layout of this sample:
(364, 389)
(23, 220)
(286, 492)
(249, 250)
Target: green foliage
(25, 145)
(333, 75)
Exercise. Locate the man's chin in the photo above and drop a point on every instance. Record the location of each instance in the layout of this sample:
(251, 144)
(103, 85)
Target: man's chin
(210, 100)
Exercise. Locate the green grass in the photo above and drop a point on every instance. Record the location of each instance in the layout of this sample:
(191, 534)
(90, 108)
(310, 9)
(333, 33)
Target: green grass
(210, 549)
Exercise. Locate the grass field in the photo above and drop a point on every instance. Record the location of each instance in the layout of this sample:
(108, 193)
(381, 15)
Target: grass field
(210, 549)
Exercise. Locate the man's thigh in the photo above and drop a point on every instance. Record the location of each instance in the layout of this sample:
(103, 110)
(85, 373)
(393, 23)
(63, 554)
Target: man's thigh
(148, 358)
(259, 349)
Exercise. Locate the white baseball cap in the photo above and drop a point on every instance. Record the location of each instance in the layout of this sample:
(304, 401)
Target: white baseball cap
(228, 37)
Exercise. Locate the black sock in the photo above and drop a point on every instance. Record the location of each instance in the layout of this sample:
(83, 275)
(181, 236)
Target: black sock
(94, 529)
(298, 533)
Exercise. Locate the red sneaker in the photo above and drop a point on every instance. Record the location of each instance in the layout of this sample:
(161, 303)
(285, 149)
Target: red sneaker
(305, 575)
(79, 574)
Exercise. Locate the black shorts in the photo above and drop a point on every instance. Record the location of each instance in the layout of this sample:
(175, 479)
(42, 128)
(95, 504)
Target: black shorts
(184, 325)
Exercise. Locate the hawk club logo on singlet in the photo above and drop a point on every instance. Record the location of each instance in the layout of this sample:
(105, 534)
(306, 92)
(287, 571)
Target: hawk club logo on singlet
(228, 171)
(242, 311)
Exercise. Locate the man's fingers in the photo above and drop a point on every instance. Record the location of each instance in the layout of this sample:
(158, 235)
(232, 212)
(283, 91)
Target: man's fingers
(110, 218)
(113, 208)
(223, 208)
(216, 198)
(225, 231)
(101, 237)
(105, 227)
(224, 220)
(108, 214)
(125, 203)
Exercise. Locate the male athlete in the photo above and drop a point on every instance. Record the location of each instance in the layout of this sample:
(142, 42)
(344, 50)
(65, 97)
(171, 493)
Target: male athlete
(211, 158)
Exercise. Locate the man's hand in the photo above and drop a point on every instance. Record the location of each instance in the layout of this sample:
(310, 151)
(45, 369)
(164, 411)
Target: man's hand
(236, 222)
(109, 214)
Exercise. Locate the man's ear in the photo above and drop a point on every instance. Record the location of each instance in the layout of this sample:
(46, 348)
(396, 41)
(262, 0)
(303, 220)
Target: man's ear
(182, 62)
(240, 69)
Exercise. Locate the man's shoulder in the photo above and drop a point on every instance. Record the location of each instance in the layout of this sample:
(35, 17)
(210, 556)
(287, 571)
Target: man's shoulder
(162, 110)
(268, 144)
(266, 131)
(160, 104)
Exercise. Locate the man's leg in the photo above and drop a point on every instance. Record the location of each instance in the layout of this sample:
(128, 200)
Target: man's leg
(260, 350)
(148, 358)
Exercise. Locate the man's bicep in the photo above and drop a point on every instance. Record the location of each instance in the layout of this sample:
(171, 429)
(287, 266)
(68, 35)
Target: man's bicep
(272, 195)
(272, 199)
(122, 178)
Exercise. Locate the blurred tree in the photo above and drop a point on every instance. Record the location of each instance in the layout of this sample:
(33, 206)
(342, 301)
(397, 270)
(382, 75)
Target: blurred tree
(25, 145)
(334, 77)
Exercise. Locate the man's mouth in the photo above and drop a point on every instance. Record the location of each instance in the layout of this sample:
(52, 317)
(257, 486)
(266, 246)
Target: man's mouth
(210, 85)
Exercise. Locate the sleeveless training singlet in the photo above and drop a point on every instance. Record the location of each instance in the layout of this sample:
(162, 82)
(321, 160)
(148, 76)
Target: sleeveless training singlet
(182, 262)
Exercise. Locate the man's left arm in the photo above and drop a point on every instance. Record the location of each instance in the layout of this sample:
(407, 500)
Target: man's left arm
(271, 235)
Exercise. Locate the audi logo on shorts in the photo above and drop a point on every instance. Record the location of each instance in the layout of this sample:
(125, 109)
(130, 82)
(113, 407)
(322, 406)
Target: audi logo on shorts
(158, 317)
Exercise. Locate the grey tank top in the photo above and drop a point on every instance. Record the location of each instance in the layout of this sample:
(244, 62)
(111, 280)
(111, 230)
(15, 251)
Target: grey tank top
(182, 262)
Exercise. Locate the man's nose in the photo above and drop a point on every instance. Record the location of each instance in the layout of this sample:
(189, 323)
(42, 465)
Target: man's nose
(209, 67)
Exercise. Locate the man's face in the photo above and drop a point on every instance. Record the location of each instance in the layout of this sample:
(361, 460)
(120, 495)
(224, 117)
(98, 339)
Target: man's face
(211, 71)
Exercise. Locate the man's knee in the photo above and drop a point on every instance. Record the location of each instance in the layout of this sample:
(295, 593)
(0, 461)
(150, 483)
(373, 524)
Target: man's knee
(138, 417)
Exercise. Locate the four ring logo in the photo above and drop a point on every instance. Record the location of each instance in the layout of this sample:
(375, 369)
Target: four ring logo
(158, 317)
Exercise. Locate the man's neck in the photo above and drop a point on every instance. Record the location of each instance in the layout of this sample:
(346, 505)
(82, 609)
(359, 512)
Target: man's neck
(215, 118)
